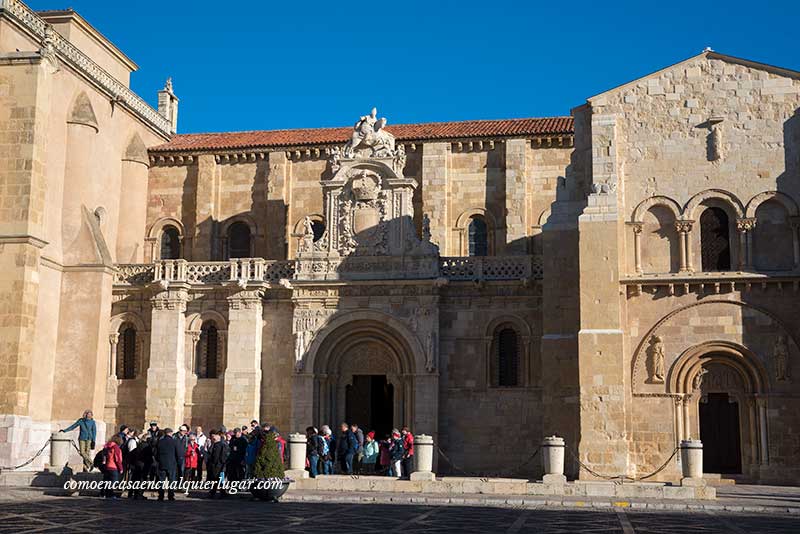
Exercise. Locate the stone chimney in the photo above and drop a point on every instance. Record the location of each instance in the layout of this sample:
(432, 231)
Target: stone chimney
(168, 105)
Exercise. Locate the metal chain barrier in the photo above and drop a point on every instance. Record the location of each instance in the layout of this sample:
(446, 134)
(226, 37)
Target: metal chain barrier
(20, 466)
(507, 472)
(622, 478)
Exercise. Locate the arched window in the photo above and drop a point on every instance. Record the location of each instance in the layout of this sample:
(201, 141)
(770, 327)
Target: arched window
(478, 237)
(238, 240)
(507, 354)
(208, 349)
(170, 243)
(318, 227)
(126, 352)
(715, 245)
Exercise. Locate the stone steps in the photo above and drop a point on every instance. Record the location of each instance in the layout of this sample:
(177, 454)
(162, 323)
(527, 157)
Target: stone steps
(716, 480)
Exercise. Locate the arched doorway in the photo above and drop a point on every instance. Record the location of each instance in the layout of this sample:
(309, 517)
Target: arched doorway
(723, 402)
(366, 367)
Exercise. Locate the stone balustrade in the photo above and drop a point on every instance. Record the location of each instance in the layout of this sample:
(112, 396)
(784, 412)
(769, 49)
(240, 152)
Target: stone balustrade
(261, 270)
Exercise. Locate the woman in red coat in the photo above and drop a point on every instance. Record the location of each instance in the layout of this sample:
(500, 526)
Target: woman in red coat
(191, 458)
(112, 468)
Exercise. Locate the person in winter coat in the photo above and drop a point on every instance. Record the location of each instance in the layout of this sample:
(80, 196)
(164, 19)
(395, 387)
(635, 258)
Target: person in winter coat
(201, 450)
(408, 454)
(346, 449)
(369, 463)
(384, 458)
(396, 452)
(313, 450)
(168, 455)
(217, 458)
(191, 458)
(141, 461)
(234, 467)
(254, 443)
(86, 437)
(359, 434)
(182, 439)
(112, 468)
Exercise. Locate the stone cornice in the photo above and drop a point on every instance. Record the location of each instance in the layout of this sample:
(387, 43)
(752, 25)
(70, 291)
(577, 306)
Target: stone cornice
(31, 23)
(23, 239)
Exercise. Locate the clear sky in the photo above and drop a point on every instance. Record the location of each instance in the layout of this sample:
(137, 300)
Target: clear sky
(245, 65)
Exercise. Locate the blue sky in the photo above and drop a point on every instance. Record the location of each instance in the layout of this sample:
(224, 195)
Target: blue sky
(264, 65)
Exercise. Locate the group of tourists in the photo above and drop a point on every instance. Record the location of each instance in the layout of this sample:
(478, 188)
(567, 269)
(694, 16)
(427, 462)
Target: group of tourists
(165, 455)
(351, 451)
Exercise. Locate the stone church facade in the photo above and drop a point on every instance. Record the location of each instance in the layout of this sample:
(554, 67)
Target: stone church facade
(625, 277)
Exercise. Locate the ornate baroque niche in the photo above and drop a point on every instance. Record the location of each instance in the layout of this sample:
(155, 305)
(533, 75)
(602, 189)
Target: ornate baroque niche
(369, 230)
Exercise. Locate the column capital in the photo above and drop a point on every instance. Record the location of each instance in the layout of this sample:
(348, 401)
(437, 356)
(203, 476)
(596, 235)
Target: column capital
(684, 226)
(173, 299)
(745, 224)
(113, 338)
(248, 299)
(636, 226)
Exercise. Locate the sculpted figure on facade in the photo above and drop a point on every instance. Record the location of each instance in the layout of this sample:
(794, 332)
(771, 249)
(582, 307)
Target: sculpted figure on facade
(656, 352)
(368, 138)
(780, 355)
(430, 353)
(305, 326)
(697, 381)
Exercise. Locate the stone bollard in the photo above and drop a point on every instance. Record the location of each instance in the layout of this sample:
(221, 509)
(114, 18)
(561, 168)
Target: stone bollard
(423, 458)
(692, 462)
(297, 456)
(59, 451)
(553, 460)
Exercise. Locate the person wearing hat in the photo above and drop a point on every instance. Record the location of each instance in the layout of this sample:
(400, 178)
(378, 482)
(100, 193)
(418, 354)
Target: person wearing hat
(152, 433)
(369, 463)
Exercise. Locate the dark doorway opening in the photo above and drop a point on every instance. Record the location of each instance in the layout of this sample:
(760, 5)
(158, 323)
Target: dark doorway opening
(719, 432)
(370, 404)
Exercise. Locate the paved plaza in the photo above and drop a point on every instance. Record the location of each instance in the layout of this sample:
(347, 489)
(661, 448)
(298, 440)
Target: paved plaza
(29, 510)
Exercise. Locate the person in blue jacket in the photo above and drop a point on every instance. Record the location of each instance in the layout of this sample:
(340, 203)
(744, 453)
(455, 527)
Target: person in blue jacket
(86, 437)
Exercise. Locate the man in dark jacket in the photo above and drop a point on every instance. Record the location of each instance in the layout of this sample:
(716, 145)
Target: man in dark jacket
(216, 460)
(141, 464)
(234, 467)
(167, 455)
(182, 441)
(346, 448)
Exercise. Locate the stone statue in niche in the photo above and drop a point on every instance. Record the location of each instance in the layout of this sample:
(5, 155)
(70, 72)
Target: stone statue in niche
(697, 381)
(430, 353)
(656, 353)
(426, 227)
(714, 139)
(368, 138)
(780, 355)
(308, 227)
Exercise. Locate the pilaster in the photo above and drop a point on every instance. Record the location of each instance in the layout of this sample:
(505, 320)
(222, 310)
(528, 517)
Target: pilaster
(435, 189)
(242, 380)
(204, 241)
(166, 375)
(516, 215)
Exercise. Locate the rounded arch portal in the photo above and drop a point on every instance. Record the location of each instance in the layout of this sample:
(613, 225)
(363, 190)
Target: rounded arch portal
(364, 363)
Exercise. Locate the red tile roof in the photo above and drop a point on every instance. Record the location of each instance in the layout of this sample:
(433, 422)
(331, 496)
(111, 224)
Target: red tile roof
(402, 132)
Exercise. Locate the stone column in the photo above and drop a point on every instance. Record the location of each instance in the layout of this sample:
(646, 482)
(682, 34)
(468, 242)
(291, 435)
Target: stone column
(166, 376)
(242, 397)
(683, 228)
(297, 456)
(553, 460)
(423, 458)
(113, 339)
(59, 451)
(516, 224)
(692, 462)
(744, 227)
(795, 224)
(435, 188)
(637, 245)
